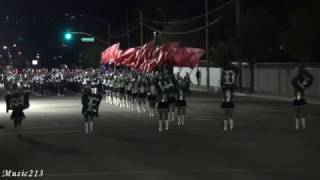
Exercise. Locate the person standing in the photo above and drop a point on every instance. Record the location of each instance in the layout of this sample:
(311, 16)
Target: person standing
(181, 104)
(301, 82)
(17, 101)
(90, 107)
(188, 83)
(228, 85)
(198, 75)
(152, 96)
(163, 105)
(172, 98)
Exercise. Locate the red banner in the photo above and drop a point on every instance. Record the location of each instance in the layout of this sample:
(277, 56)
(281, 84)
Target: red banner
(149, 56)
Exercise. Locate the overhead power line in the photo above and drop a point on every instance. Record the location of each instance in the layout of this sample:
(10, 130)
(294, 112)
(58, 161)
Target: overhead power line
(182, 32)
(126, 33)
(189, 19)
(124, 29)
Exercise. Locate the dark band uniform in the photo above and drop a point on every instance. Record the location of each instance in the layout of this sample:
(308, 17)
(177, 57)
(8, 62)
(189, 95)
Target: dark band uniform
(228, 85)
(303, 81)
(17, 102)
(227, 100)
(90, 104)
(152, 97)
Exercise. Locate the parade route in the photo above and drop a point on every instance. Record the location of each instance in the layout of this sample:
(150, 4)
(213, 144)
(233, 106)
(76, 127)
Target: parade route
(126, 145)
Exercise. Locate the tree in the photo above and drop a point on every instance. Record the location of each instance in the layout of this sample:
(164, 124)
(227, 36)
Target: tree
(258, 31)
(91, 56)
(224, 48)
(195, 39)
(302, 38)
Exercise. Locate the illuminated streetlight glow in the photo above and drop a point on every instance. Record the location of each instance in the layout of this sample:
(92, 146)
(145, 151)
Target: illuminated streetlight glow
(34, 62)
(5, 47)
(68, 36)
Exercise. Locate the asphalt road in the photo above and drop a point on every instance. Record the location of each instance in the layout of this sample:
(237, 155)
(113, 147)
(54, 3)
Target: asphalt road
(126, 145)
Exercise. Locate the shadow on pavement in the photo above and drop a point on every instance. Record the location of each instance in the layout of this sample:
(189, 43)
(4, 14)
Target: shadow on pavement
(51, 148)
(2, 127)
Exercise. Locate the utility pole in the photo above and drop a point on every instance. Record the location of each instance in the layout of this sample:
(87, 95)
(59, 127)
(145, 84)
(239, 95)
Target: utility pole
(237, 18)
(207, 44)
(127, 23)
(237, 8)
(141, 29)
(109, 34)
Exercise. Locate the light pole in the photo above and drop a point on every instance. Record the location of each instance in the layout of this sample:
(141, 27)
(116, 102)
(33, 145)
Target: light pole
(102, 20)
(207, 44)
(141, 28)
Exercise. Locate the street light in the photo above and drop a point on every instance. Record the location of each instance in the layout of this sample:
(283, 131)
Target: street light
(5, 47)
(35, 62)
(68, 36)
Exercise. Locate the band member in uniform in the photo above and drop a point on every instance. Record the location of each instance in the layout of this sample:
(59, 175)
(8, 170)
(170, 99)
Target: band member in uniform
(116, 87)
(17, 101)
(142, 94)
(152, 96)
(122, 91)
(106, 82)
(128, 93)
(228, 85)
(188, 83)
(181, 104)
(228, 106)
(163, 105)
(90, 107)
(112, 89)
(172, 99)
(301, 82)
(134, 93)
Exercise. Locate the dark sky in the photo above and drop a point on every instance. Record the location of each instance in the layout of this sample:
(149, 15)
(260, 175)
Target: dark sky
(39, 24)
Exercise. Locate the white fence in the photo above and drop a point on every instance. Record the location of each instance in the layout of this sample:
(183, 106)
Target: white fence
(268, 78)
(277, 80)
(215, 74)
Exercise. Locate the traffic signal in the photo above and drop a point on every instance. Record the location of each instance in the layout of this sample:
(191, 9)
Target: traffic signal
(68, 36)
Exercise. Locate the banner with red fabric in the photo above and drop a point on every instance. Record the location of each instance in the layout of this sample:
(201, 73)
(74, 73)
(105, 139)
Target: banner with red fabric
(149, 56)
(110, 54)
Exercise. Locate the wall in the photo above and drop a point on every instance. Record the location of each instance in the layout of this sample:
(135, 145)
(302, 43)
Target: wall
(276, 79)
(269, 78)
(215, 74)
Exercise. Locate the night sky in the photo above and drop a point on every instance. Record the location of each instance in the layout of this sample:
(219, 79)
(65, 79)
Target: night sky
(38, 25)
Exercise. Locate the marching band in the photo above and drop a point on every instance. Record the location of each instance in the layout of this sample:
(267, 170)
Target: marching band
(166, 93)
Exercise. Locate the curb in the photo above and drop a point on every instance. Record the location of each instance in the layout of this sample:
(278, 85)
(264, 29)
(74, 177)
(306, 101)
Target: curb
(260, 96)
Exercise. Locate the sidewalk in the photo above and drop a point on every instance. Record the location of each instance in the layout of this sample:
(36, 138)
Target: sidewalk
(310, 99)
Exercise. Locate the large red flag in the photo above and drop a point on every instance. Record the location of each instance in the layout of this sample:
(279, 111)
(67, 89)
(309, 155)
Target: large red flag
(127, 54)
(111, 53)
(187, 56)
(196, 54)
